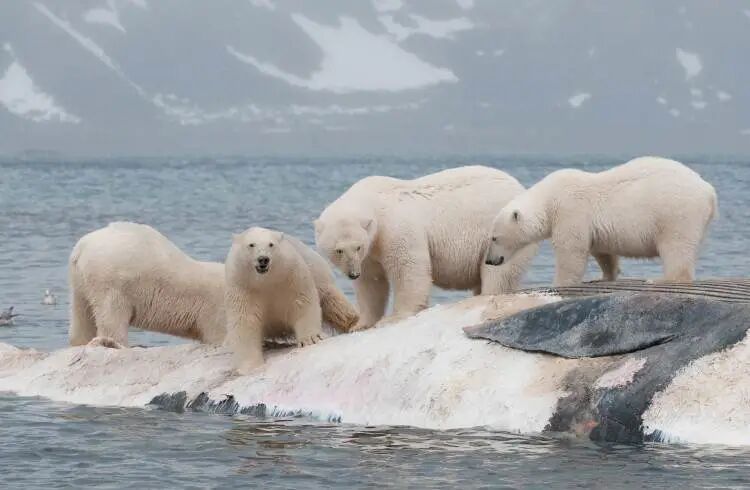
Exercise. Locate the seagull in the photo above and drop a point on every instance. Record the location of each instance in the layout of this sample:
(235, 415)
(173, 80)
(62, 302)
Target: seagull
(49, 298)
(7, 316)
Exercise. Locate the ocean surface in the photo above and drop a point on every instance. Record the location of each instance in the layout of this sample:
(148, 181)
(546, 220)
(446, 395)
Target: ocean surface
(198, 203)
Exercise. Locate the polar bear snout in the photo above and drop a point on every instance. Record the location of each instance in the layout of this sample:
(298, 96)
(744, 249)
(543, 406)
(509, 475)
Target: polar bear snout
(263, 263)
(353, 275)
(495, 260)
(495, 253)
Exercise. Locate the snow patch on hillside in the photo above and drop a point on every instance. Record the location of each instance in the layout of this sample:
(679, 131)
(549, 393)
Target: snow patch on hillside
(355, 59)
(438, 29)
(108, 16)
(577, 100)
(690, 62)
(22, 97)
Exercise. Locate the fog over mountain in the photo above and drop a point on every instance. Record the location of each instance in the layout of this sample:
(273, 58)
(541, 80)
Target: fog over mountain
(166, 77)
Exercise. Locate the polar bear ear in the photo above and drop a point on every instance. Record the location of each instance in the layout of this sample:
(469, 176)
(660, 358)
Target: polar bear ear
(280, 238)
(516, 215)
(318, 226)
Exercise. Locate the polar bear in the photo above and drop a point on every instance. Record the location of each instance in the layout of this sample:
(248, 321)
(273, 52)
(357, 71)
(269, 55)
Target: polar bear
(270, 291)
(645, 208)
(388, 233)
(130, 274)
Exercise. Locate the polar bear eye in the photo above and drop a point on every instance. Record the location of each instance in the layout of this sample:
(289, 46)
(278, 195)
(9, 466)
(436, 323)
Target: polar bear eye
(494, 238)
(251, 245)
(270, 245)
(339, 251)
(359, 248)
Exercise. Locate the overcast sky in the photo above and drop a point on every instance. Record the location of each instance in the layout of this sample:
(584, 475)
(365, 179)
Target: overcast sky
(177, 77)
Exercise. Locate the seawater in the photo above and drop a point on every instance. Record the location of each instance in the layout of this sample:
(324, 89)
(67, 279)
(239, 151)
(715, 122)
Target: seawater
(198, 203)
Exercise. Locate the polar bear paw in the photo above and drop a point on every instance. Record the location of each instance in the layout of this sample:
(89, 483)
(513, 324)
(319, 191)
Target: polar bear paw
(393, 319)
(360, 325)
(309, 340)
(107, 342)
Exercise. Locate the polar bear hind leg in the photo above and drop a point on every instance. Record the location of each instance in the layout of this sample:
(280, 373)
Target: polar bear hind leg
(610, 266)
(113, 315)
(678, 258)
(337, 311)
(82, 325)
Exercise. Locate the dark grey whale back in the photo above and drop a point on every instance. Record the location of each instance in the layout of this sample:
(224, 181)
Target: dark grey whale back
(663, 327)
(725, 289)
(615, 324)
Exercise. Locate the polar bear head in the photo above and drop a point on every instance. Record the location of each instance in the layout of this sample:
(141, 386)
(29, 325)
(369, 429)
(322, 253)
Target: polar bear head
(256, 248)
(517, 225)
(346, 242)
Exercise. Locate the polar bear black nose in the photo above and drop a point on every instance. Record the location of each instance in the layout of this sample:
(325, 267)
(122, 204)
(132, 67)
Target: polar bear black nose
(263, 260)
(353, 275)
(495, 261)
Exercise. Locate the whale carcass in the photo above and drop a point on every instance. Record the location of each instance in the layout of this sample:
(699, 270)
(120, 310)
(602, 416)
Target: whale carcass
(686, 381)
(649, 337)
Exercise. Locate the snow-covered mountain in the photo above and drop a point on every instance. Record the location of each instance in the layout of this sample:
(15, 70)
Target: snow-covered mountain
(127, 77)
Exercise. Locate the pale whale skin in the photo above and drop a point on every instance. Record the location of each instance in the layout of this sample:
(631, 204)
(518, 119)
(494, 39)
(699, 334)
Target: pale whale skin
(420, 372)
(666, 332)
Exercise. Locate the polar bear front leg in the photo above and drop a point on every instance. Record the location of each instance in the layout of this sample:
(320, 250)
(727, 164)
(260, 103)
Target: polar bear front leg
(245, 337)
(372, 291)
(308, 327)
(411, 277)
(570, 266)
(571, 242)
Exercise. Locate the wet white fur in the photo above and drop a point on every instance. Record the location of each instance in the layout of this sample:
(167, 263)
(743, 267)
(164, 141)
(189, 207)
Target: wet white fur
(407, 235)
(648, 207)
(277, 302)
(130, 274)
